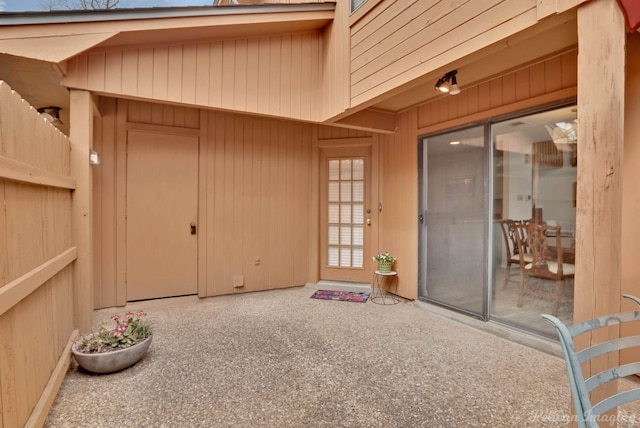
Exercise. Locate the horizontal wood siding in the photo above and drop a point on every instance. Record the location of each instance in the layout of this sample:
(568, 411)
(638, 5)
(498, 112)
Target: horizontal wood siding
(549, 78)
(546, 81)
(36, 319)
(274, 76)
(399, 41)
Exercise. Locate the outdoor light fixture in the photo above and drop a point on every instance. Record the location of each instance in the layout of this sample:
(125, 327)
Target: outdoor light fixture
(448, 83)
(52, 114)
(94, 158)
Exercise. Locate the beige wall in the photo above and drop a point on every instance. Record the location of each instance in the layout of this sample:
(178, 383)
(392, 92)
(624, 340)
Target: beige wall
(255, 194)
(274, 76)
(397, 42)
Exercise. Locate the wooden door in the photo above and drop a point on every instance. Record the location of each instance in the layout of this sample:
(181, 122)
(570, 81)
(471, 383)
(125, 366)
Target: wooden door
(162, 208)
(345, 214)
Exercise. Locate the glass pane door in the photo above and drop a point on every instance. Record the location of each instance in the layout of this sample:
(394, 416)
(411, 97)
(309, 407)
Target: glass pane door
(346, 213)
(534, 182)
(453, 212)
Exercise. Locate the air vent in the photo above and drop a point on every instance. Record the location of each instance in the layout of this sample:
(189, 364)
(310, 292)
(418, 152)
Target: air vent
(518, 123)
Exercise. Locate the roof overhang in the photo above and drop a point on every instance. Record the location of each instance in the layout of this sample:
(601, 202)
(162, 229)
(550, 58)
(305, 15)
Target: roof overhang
(57, 36)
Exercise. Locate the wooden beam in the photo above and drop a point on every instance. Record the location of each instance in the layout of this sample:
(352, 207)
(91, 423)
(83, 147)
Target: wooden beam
(14, 170)
(40, 412)
(13, 292)
(81, 137)
(370, 120)
(601, 85)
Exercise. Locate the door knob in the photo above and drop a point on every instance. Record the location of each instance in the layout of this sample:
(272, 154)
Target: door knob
(368, 222)
(193, 228)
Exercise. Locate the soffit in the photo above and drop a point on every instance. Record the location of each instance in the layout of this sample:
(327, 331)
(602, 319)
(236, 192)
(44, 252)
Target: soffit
(557, 34)
(52, 49)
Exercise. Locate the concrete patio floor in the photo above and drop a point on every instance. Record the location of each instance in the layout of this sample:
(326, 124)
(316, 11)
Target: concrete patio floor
(281, 359)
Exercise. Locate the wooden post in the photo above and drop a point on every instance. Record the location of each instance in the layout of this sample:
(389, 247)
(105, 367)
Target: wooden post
(81, 136)
(601, 80)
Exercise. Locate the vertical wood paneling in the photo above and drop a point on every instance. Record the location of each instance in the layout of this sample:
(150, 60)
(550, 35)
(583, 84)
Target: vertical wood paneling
(189, 76)
(253, 74)
(202, 74)
(146, 74)
(256, 169)
(276, 75)
(174, 74)
(96, 71)
(34, 228)
(113, 69)
(547, 77)
(162, 80)
(129, 76)
(240, 83)
(398, 190)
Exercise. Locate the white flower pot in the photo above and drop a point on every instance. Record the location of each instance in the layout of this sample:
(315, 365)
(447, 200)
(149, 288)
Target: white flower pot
(109, 362)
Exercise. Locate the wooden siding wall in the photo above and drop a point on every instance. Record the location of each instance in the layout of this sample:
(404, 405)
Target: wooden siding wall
(336, 63)
(399, 41)
(274, 76)
(539, 83)
(36, 255)
(254, 204)
(522, 89)
(258, 189)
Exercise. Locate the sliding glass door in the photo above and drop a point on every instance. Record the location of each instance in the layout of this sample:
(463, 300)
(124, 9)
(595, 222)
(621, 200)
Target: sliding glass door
(453, 209)
(475, 185)
(534, 182)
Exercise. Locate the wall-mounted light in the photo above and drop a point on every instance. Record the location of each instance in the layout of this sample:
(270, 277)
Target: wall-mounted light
(94, 158)
(52, 114)
(448, 83)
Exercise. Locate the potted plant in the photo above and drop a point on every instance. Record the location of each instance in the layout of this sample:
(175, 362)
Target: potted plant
(385, 260)
(114, 348)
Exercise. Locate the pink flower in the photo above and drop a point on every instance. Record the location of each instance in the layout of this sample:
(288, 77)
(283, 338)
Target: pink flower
(115, 317)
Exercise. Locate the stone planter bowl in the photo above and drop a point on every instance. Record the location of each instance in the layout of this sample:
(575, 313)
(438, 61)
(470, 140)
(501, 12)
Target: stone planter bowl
(109, 362)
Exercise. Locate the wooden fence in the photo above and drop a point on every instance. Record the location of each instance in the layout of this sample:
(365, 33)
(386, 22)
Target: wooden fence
(36, 262)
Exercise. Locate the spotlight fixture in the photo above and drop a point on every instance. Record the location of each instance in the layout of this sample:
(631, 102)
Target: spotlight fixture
(448, 83)
(52, 114)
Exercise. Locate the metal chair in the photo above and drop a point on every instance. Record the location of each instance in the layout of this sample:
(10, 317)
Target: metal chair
(587, 413)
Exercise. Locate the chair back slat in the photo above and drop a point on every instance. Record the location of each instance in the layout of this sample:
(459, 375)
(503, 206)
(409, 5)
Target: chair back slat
(606, 347)
(612, 374)
(603, 321)
(614, 401)
(586, 412)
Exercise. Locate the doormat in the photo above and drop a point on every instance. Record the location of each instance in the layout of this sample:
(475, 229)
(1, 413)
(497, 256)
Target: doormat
(346, 296)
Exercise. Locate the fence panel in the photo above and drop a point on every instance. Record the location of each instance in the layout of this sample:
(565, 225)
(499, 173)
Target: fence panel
(36, 261)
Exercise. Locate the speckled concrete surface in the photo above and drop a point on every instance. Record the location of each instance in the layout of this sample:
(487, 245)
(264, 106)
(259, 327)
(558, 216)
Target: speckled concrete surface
(281, 359)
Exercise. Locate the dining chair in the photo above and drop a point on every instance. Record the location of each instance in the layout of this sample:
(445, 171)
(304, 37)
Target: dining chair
(587, 411)
(509, 232)
(546, 263)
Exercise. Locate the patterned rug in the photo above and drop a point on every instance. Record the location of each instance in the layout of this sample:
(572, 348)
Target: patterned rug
(346, 296)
